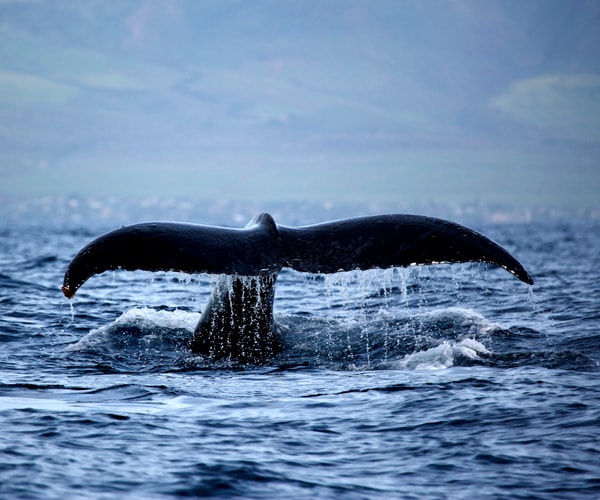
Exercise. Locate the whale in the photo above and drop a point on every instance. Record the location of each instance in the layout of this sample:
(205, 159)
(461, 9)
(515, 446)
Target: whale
(237, 322)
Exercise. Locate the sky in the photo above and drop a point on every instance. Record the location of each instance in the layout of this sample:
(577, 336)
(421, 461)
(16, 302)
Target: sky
(338, 101)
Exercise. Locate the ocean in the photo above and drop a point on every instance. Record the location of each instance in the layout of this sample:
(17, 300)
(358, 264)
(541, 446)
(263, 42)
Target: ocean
(445, 381)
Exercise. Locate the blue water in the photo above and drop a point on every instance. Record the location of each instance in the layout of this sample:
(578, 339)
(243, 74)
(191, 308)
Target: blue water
(431, 382)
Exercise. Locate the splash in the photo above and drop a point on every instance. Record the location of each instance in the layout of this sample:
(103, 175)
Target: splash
(442, 356)
(153, 326)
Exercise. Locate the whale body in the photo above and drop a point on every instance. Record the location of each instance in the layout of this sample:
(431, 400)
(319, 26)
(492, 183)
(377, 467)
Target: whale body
(237, 322)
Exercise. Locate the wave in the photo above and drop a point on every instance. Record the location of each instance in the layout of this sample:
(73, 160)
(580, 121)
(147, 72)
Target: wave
(145, 339)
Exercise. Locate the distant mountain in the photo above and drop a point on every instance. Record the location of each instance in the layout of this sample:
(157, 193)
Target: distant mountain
(150, 85)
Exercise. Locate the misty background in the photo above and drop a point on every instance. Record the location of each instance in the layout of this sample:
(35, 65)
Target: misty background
(462, 101)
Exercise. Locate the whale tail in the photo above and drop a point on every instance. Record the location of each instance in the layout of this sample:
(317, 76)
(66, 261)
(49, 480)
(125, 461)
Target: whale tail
(238, 320)
(263, 247)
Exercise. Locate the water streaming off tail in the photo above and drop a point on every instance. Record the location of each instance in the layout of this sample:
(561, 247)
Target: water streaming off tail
(375, 319)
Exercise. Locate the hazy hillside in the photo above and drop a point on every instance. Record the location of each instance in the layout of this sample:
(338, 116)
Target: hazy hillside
(218, 87)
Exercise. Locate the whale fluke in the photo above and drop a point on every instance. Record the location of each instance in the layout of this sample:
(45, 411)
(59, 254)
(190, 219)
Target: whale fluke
(238, 321)
(384, 241)
(175, 246)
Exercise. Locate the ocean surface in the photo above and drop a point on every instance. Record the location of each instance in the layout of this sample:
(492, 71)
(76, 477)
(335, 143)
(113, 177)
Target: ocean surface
(428, 382)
